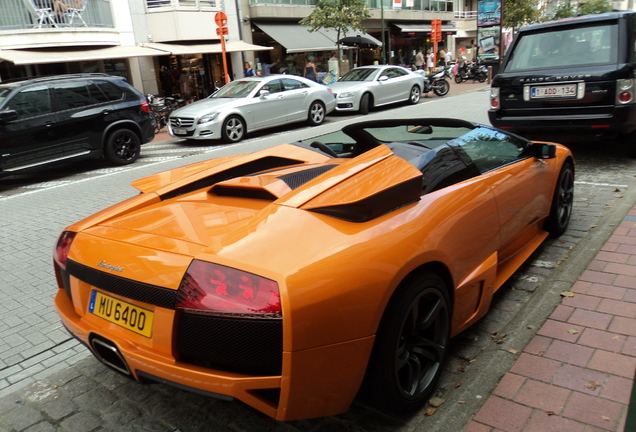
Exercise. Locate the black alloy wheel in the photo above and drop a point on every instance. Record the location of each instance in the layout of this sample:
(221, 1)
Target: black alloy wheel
(410, 345)
(441, 87)
(562, 202)
(122, 147)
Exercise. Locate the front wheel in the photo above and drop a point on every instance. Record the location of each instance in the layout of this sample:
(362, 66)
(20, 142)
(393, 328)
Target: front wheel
(316, 114)
(415, 95)
(441, 87)
(122, 147)
(233, 129)
(562, 202)
(410, 345)
(365, 104)
(458, 78)
(482, 78)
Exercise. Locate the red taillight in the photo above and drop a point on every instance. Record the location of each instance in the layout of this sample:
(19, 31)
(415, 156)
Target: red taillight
(145, 106)
(494, 102)
(63, 247)
(215, 289)
(625, 97)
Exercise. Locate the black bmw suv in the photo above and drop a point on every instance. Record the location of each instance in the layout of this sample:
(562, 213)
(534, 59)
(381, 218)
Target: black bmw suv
(66, 118)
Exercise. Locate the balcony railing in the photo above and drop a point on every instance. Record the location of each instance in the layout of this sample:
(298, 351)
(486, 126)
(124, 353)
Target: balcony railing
(153, 5)
(465, 14)
(418, 5)
(38, 14)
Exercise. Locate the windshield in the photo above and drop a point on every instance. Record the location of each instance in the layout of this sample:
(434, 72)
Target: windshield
(583, 45)
(236, 89)
(366, 74)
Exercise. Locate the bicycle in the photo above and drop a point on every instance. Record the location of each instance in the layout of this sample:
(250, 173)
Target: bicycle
(161, 108)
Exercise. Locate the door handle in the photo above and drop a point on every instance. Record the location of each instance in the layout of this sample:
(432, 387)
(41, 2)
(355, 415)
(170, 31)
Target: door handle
(305, 93)
(49, 123)
(106, 112)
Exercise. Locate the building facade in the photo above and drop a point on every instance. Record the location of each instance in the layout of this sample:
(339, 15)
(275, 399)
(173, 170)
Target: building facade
(160, 44)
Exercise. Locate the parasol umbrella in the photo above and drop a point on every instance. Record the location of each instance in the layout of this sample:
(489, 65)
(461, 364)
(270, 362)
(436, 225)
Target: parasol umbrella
(359, 41)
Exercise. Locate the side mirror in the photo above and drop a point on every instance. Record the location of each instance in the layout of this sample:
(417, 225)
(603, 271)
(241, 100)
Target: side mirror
(383, 78)
(543, 151)
(263, 93)
(7, 116)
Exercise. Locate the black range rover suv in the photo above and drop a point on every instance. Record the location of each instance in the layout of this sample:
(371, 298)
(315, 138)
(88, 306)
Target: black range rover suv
(66, 118)
(571, 77)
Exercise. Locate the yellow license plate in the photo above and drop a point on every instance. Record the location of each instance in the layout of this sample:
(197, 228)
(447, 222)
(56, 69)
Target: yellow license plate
(123, 314)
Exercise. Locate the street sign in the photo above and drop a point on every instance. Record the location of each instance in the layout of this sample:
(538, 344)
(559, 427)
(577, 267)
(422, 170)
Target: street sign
(220, 19)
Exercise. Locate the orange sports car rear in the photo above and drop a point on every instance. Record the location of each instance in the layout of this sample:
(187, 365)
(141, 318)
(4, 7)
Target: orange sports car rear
(291, 277)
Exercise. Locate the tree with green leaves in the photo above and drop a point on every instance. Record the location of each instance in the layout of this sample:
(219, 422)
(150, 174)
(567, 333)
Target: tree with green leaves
(518, 13)
(339, 15)
(594, 6)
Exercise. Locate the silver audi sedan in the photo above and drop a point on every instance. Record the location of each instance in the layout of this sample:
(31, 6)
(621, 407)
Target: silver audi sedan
(250, 104)
(366, 87)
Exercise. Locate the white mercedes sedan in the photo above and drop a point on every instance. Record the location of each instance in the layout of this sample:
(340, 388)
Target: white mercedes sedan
(366, 87)
(250, 104)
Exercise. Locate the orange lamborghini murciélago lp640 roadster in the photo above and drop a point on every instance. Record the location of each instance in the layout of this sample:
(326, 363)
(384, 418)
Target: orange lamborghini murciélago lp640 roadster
(291, 277)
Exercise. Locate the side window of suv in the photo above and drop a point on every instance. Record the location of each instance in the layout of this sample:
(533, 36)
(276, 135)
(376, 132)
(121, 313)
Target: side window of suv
(112, 92)
(31, 102)
(72, 94)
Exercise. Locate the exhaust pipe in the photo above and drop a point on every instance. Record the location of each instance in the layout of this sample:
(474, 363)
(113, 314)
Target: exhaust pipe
(108, 353)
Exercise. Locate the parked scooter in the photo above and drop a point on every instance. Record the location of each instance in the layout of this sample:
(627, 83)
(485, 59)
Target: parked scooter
(435, 82)
(471, 71)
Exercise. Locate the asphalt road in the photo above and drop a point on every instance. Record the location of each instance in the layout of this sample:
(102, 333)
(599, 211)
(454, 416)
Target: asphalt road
(63, 386)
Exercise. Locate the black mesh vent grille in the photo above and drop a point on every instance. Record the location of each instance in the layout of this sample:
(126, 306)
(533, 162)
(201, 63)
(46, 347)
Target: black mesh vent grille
(152, 294)
(266, 163)
(249, 346)
(299, 178)
(239, 192)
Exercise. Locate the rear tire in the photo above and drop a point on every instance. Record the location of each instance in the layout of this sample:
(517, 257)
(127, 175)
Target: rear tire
(122, 147)
(482, 78)
(410, 345)
(441, 87)
(630, 144)
(317, 114)
(415, 95)
(365, 104)
(562, 202)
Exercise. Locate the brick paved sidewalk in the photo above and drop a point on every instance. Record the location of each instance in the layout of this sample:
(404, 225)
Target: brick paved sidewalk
(576, 374)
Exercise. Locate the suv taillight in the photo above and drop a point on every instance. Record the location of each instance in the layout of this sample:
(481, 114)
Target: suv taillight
(624, 91)
(63, 247)
(145, 106)
(494, 98)
(212, 289)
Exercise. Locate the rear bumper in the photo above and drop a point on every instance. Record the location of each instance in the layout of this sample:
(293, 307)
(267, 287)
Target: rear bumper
(307, 387)
(618, 121)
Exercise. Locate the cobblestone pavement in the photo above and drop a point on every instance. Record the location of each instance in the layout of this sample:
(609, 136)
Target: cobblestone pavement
(48, 382)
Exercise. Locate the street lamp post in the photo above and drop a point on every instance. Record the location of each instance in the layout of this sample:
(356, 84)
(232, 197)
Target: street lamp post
(383, 41)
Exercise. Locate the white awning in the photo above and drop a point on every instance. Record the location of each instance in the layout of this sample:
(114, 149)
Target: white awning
(62, 55)
(68, 54)
(180, 49)
(422, 28)
(297, 38)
